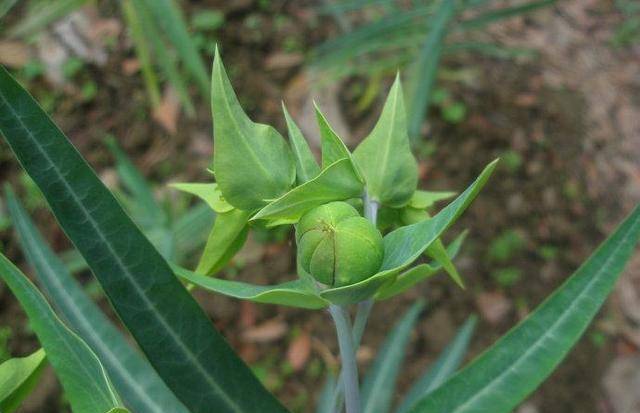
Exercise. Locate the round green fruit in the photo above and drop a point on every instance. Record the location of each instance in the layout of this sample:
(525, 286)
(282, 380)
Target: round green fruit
(337, 246)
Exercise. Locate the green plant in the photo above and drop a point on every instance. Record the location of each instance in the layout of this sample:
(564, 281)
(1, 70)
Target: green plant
(416, 37)
(160, 36)
(187, 365)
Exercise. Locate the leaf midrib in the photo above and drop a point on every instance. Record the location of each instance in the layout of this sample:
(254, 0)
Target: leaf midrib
(137, 288)
(558, 321)
(106, 350)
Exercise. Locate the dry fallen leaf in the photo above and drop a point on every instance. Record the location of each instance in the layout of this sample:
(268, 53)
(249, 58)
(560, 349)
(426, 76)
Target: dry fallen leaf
(166, 114)
(299, 351)
(270, 330)
(14, 54)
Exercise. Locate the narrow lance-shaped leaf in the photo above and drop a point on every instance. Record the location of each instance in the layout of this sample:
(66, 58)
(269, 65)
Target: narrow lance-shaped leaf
(306, 166)
(177, 337)
(425, 68)
(82, 376)
(296, 293)
(446, 364)
(133, 377)
(337, 182)
(18, 377)
(251, 161)
(228, 235)
(503, 376)
(385, 158)
(379, 383)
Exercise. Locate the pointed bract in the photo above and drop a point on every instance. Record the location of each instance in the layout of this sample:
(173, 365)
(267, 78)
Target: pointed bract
(306, 166)
(252, 162)
(384, 157)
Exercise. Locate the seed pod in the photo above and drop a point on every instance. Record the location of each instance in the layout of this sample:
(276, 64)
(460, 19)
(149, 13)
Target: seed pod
(337, 246)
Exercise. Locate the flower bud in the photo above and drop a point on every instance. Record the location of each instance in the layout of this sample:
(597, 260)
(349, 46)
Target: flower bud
(337, 246)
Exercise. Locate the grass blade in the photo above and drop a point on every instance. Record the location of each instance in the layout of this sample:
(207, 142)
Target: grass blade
(443, 368)
(512, 368)
(379, 384)
(83, 378)
(177, 337)
(425, 68)
(133, 377)
(502, 13)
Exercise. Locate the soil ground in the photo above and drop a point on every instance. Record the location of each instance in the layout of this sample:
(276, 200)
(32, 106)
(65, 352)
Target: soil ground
(565, 123)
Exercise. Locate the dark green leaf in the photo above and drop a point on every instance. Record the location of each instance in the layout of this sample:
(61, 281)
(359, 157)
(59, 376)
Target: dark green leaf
(446, 364)
(18, 377)
(337, 182)
(512, 368)
(133, 377)
(84, 380)
(385, 158)
(306, 166)
(177, 337)
(379, 384)
(251, 161)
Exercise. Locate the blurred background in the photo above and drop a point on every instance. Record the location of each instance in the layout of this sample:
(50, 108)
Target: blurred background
(553, 88)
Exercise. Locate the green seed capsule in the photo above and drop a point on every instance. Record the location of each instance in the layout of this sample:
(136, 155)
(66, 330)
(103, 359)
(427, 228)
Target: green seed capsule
(337, 246)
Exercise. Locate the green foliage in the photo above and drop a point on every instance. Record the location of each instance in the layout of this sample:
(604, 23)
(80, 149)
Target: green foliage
(141, 286)
(252, 163)
(499, 379)
(385, 158)
(360, 223)
(84, 380)
(18, 377)
(133, 377)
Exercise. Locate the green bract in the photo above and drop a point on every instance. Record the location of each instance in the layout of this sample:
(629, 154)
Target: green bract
(337, 246)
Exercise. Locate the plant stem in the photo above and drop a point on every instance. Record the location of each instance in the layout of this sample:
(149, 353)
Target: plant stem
(348, 355)
(362, 313)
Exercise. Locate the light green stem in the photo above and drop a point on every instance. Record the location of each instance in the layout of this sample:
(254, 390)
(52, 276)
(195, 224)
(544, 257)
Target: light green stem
(348, 355)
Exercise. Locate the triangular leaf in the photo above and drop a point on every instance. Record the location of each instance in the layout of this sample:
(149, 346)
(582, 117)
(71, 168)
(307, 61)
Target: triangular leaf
(18, 377)
(338, 182)
(384, 157)
(306, 166)
(251, 161)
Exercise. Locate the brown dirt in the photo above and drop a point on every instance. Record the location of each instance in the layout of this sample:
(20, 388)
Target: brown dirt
(560, 195)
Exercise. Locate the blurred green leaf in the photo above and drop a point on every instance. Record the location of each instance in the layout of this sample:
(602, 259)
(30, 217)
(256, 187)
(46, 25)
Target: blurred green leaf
(378, 387)
(503, 376)
(493, 16)
(446, 364)
(40, 17)
(18, 377)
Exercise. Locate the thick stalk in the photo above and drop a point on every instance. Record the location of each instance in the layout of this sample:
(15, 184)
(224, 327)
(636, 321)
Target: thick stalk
(348, 355)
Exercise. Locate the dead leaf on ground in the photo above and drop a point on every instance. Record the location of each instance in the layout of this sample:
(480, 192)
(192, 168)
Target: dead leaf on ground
(14, 54)
(299, 351)
(166, 114)
(270, 330)
(493, 306)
